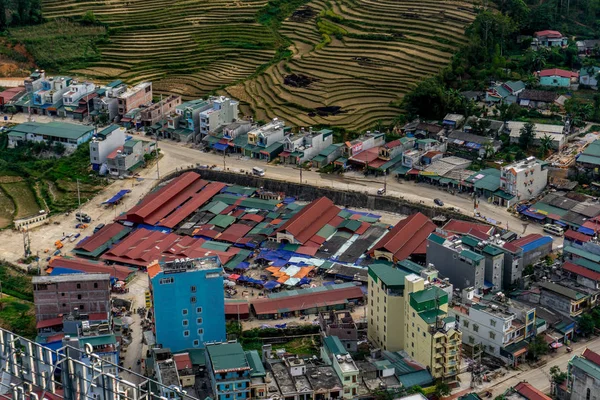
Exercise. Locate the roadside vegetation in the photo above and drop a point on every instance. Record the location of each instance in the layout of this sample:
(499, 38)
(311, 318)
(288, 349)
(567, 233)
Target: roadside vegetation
(16, 304)
(35, 177)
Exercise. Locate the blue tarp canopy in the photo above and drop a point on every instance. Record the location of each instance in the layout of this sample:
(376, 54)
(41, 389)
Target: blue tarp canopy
(270, 285)
(560, 223)
(242, 265)
(219, 146)
(117, 197)
(586, 231)
(536, 243)
(64, 271)
(533, 215)
(304, 281)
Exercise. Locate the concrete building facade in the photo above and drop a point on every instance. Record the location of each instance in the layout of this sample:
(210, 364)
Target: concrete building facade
(62, 294)
(524, 179)
(135, 97)
(105, 142)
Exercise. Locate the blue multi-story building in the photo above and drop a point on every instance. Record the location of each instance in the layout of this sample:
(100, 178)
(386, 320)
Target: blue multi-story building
(229, 370)
(188, 302)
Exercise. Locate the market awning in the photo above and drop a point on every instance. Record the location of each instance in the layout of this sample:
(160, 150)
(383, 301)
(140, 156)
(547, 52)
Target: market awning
(117, 197)
(584, 230)
(270, 285)
(233, 277)
(401, 171)
(502, 194)
(413, 172)
(219, 146)
(533, 215)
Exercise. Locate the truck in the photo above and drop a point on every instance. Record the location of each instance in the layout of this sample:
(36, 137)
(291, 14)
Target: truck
(83, 217)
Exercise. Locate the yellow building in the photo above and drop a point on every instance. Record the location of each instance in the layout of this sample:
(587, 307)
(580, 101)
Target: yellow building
(409, 313)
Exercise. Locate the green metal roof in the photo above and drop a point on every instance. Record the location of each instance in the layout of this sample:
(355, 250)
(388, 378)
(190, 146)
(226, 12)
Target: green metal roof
(98, 340)
(326, 231)
(582, 253)
(410, 266)
(330, 149)
(334, 345)
(394, 161)
(259, 203)
(257, 369)
(197, 356)
(472, 255)
(490, 180)
(401, 170)
(218, 246)
(222, 221)
(491, 250)
(586, 366)
(226, 357)
(539, 322)
(436, 239)
(587, 264)
(350, 224)
(215, 207)
(54, 129)
(502, 194)
(470, 241)
(430, 294)
(319, 159)
(390, 276)
(513, 348)
(584, 158)
(229, 199)
(430, 316)
(420, 378)
(547, 208)
(242, 190)
(593, 149)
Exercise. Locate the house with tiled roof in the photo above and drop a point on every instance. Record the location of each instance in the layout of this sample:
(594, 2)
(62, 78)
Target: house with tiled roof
(557, 77)
(505, 92)
(307, 222)
(407, 239)
(527, 391)
(548, 38)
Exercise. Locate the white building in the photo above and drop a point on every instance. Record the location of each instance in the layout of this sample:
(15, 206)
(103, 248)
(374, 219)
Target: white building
(104, 143)
(267, 134)
(525, 179)
(224, 111)
(495, 325)
(305, 145)
(51, 90)
(76, 91)
(558, 133)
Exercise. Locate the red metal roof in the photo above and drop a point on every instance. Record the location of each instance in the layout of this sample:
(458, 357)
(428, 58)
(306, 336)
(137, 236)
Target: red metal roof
(525, 240)
(306, 301)
(548, 33)
(49, 322)
(530, 393)
(159, 199)
(114, 153)
(559, 72)
(182, 361)
(406, 237)
(571, 234)
(252, 217)
(393, 143)
(367, 156)
(80, 264)
(593, 224)
(234, 233)
(193, 203)
(235, 307)
(99, 238)
(591, 356)
(579, 270)
(310, 219)
(464, 227)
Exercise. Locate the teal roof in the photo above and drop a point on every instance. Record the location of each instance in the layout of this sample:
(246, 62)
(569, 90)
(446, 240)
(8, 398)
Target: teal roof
(104, 132)
(390, 276)
(222, 221)
(330, 149)
(215, 207)
(410, 266)
(257, 369)
(402, 170)
(430, 316)
(393, 162)
(114, 83)
(515, 85)
(54, 129)
(584, 158)
(587, 264)
(582, 253)
(430, 294)
(259, 203)
(334, 345)
(197, 356)
(236, 189)
(470, 396)
(547, 208)
(319, 159)
(493, 251)
(472, 255)
(217, 246)
(539, 322)
(436, 238)
(490, 180)
(585, 71)
(98, 340)
(227, 357)
(418, 378)
(350, 224)
(586, 366)
(470, 241)
(326, 231)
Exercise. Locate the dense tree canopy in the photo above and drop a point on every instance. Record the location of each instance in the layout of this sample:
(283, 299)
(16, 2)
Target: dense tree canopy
(19, 12)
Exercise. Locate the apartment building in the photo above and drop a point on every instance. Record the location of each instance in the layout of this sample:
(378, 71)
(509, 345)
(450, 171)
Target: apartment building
(408, 312)
(139, 95)
(188, 302)
(223, 111)
(499, 326)
(266, 142)
(155, 115)
(335, 354)
(128, 157)
(229, 370)
(105, 142)
(51, 91)
(365, 142)
(55, 296)
(455, 261)
(76, 91)
(305, 145)
(340, 323)
(524, 179)
(583, 381)
(184, 123)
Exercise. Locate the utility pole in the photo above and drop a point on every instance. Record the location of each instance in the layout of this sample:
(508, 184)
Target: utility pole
(384, 182)
(300, 174)
(162, 121)
(78, 196)
(224, 162)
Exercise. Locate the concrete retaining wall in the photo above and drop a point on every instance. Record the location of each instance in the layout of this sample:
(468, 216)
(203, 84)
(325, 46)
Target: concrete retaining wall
(350, 199)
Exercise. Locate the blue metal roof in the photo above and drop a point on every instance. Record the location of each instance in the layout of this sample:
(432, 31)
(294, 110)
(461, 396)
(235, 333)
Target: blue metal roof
(536, 243)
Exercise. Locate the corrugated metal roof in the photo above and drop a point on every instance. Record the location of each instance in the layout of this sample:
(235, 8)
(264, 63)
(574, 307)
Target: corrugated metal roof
(406, 236)
(310, 219)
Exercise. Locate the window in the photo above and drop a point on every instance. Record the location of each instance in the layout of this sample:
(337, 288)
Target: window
(413, 334)
(424, 334)
(200, 331)
(418, 329)
(78, 297)
(185, 322)
(475, 328)
(587, 394)
(166, 281)
(413, 316)
(95, 286)
(62, 294)
(492, 335)
(184, 311)
(466, 323)
(193, 289)
(79, 286)
(199, 310)
(471, 339)
(186, 333)
(199, 321)
(492, 322)
(192, 300)
(384, 318)
(491, 348)
(81, 307)
(196, 343)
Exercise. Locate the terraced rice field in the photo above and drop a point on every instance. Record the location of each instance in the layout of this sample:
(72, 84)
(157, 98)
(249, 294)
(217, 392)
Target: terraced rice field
(187, 47)
(385, 47)
(363, 55)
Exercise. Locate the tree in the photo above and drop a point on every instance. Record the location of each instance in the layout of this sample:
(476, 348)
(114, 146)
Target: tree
(3, 22)
(102, 118)
(557, 375)
(527, 135)
(89, 18)
(11, 109)
(545, 145)
(59, 148)
(426, 100)
(480, 126)
(537, 348)
(442, 389)
(586, 324)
